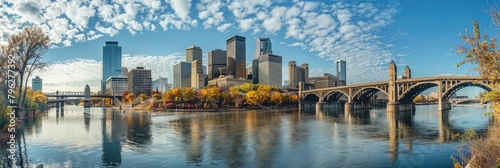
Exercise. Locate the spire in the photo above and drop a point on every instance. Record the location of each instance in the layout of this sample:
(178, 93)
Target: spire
(392, 62)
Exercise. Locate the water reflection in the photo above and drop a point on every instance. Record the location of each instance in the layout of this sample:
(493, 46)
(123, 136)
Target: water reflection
(328, 137)
(399, 127)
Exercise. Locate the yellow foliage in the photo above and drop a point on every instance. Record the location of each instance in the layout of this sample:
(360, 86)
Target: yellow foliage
(277, 98)
(142, 97)
(252, 98)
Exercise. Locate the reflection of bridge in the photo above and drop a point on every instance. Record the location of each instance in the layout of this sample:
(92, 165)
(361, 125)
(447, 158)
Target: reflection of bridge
(400, 92)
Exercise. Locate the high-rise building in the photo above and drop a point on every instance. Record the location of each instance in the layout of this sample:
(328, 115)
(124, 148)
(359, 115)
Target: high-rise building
(124, 71)
(236, 56)
(193, 53)
(36, 83)
(262, 46)
(216, 60)
(270, 72)
(182, 74)
(160, 84)
(297, 74)
(139, 81)
(341, 70)
(111, 62)
(197, 76)
(116, 85)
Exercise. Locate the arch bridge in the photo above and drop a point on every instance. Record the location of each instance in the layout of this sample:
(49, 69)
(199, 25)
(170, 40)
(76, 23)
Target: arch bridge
(400, 92)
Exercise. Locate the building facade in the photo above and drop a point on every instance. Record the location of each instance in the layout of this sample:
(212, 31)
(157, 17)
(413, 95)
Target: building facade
(111, 62)
(263, 46)
(297, 74)
(270, 71)
(124, 71)
(341, 71)
(228, 81)
(193, 53)
(236, 56)
(197, 76)
(139, 81)
(216, 60)
(182, 74)
(325, 81)
(116, 85)
(36, 83)
(160, 84)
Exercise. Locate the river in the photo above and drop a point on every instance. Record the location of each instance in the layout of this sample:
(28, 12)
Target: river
(254, 138)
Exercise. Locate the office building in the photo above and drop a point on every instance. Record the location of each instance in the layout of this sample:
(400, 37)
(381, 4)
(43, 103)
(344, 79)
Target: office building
(197, 76)
(262, 46)
(228, 81)
(325, 81)
(182, 74)
(111, 62)
(160, 84)
(270, 71)
(341, 70)
(116, 85)
(139, 81)
(236, 56)
(193, 53)
(124, 71)
(36, 83)
(216, 60)
(297, 74)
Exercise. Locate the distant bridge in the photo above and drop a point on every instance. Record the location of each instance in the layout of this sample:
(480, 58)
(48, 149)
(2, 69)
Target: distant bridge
(401, 92)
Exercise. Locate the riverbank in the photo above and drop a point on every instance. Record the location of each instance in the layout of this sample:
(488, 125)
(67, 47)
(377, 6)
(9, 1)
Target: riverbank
(144, 107)
(4, 133)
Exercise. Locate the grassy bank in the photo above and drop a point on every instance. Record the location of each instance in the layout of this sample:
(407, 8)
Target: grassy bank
(480, 151)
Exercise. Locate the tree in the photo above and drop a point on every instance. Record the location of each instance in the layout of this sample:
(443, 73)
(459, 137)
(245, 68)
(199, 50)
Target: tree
(276, 98)
(252, 98)
(418, 99)
(142, 97)
(28, 47)
(130, 97)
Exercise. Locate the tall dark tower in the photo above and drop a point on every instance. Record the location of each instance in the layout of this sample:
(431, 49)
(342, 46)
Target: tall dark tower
(407, 73)
(292, 78)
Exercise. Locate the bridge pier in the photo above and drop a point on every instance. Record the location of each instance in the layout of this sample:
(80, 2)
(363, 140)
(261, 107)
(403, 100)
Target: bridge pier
(443, 105)
(394, 107)
(349, 106)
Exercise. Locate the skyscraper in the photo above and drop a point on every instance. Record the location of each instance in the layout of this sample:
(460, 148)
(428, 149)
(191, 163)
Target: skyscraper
(111, 62)
(341, 70)
(160, 84)
(236, 56)
(116, 85)
(193, 53)
(216, 59)
(197, 76)
(182, 74)
(36, 83)
(262, 46)
(297, 74)
(270, 72)
(139, 81)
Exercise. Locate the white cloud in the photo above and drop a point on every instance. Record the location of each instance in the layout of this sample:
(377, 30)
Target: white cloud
(224, 27)
(181, 8)
(80, 72)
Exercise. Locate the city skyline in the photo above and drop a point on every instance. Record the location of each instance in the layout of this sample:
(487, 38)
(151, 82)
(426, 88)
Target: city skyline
(397, 29)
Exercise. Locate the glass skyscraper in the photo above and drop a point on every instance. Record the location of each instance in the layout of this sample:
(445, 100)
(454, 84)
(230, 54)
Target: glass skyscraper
(341, 71)
(36, 83)
(111, 62)
(236, 57)
(262, 46)
(182, 74)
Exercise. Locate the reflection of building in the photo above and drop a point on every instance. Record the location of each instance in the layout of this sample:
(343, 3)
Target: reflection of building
(36, 84)
(236, 56)
(216, 59)
(116, 85)
(228, 81)
(297, 74)
(325, 81)
(270, 70)
(160, 84)
(139, 81)
(341, 71)
(111, 62)
(112, 129)
(182, 74)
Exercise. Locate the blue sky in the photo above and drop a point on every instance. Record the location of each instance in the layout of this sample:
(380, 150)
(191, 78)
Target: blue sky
(421, 34)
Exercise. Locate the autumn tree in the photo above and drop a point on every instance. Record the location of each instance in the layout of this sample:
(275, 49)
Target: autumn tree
(142, 97)
(276, 98)
(418, 99)
(28, 48)
(253, 99)
(130, 97)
